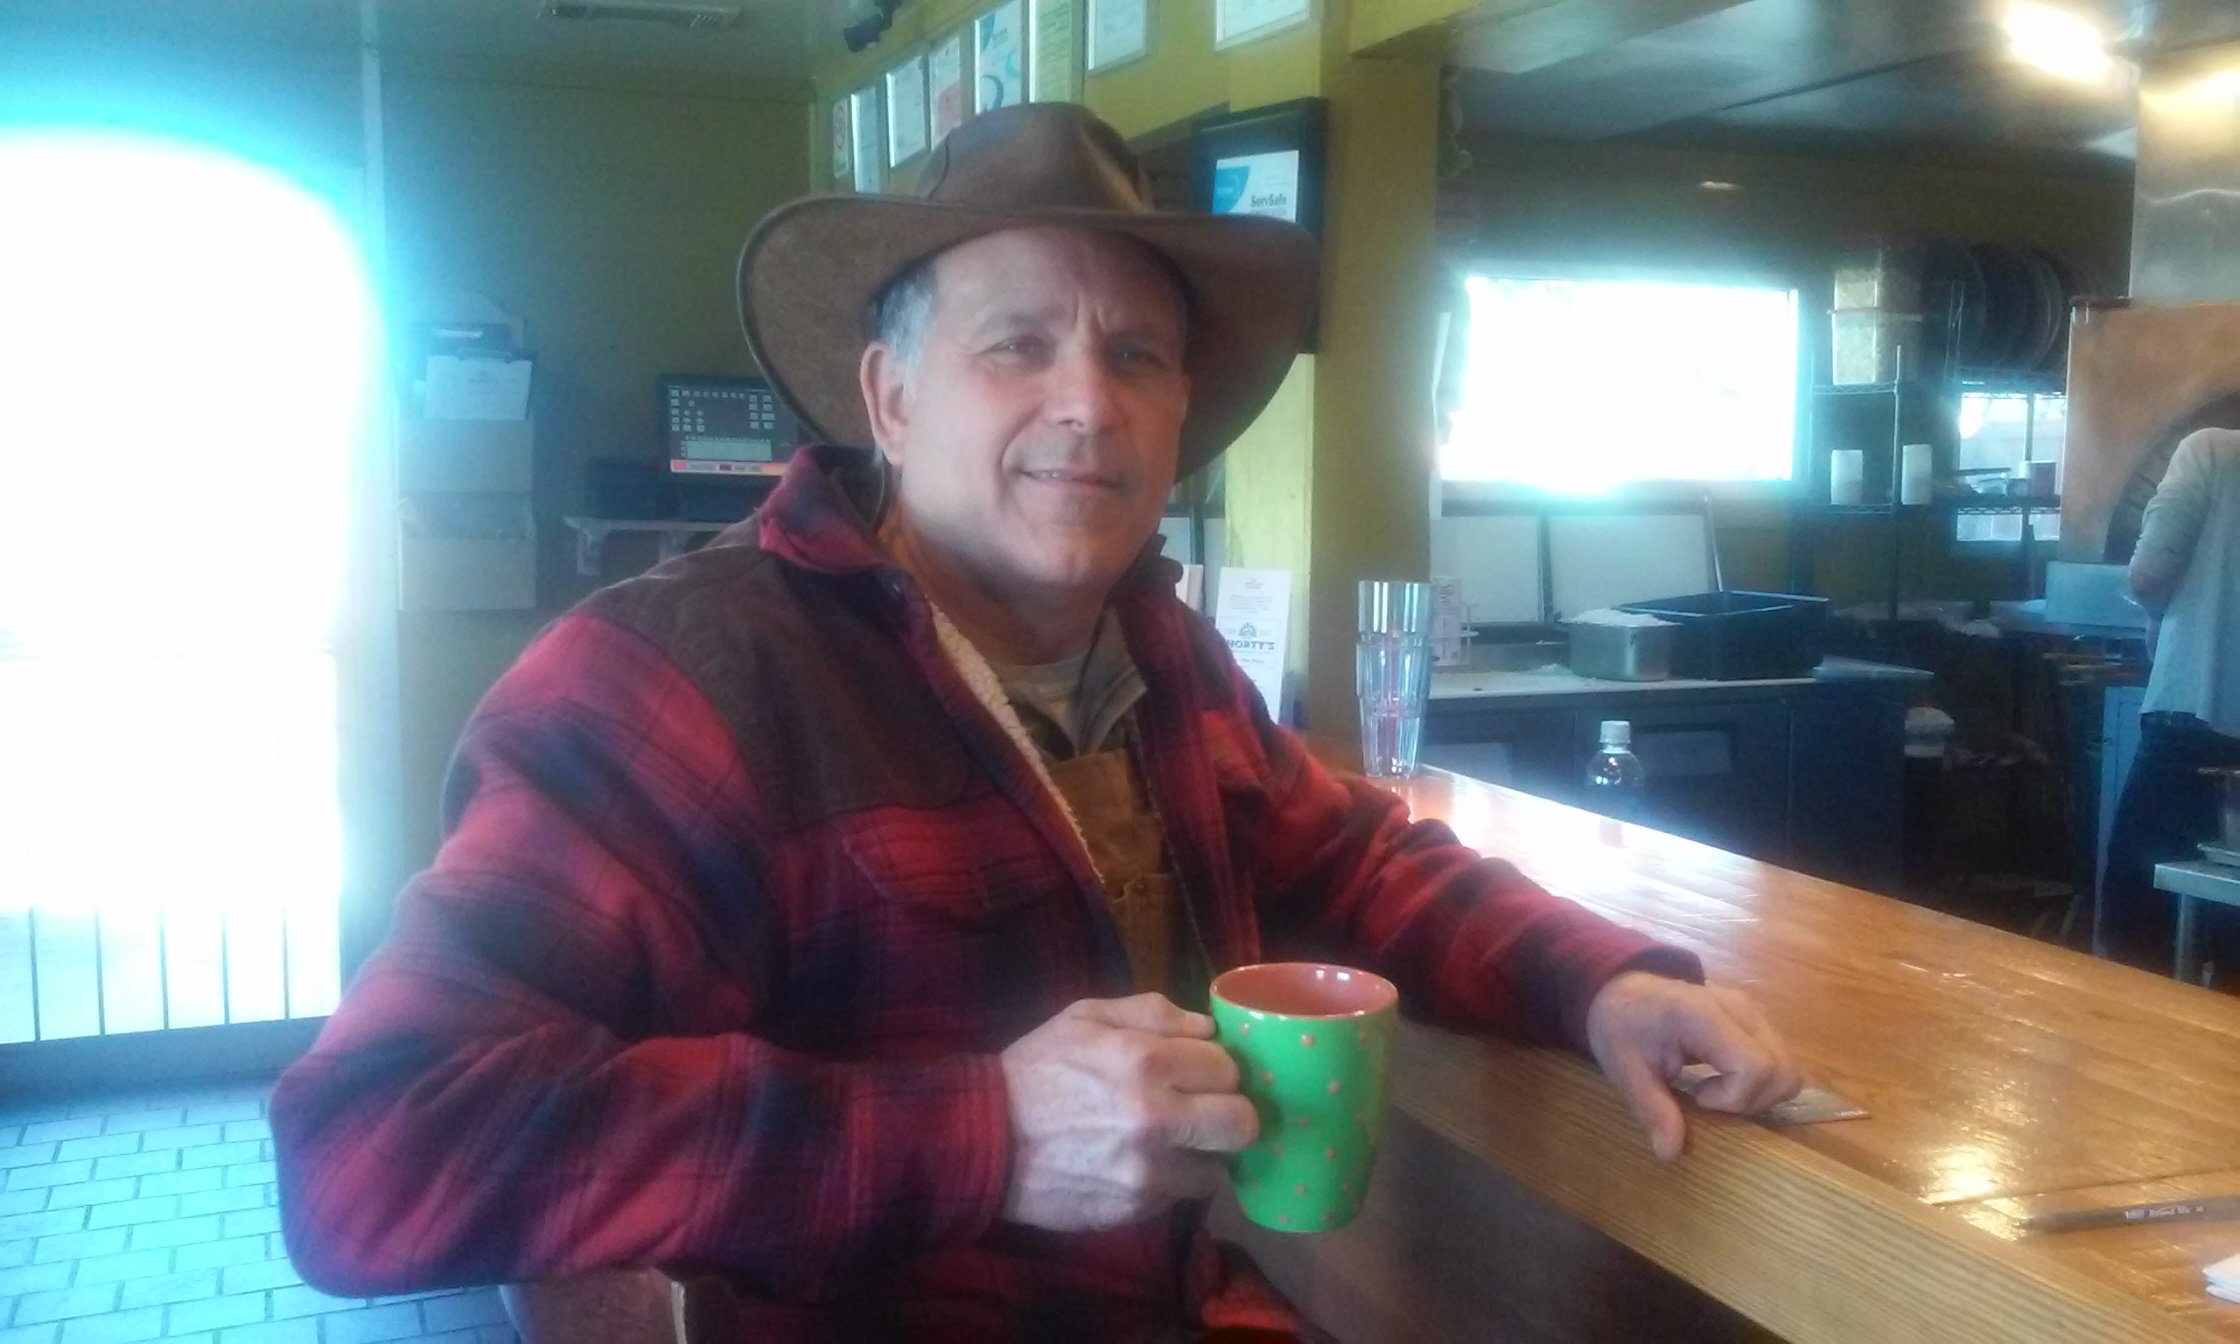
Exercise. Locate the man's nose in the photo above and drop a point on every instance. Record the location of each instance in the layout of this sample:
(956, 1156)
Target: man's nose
(1082, 392)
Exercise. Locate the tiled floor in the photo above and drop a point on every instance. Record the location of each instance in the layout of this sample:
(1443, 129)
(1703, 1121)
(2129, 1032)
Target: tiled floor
(153, 1218)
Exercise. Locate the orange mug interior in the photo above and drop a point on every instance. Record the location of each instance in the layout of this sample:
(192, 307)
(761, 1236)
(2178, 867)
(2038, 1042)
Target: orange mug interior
(1305, 989)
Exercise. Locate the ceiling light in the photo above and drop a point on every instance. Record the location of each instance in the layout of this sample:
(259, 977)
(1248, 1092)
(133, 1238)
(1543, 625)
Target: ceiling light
(2059, 42)
(675, 13)
(1714, 184)
(2224, 84)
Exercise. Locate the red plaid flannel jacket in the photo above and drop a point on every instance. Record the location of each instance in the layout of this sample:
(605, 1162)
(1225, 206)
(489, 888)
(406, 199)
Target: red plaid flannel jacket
(742, 894)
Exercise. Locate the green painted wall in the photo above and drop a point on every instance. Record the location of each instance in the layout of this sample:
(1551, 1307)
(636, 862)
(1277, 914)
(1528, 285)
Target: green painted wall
(610, 219)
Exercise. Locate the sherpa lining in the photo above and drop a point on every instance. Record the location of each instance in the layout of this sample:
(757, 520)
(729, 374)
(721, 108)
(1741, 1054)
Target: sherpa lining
(988, 689)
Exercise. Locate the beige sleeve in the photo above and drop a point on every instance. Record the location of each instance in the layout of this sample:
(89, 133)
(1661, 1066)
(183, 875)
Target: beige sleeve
(2175, 515)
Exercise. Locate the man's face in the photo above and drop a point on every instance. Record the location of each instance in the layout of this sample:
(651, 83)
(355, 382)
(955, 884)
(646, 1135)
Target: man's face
(1038, 435)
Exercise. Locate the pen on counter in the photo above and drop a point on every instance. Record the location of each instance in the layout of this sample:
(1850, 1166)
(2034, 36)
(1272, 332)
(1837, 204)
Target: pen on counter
(2126, 1215)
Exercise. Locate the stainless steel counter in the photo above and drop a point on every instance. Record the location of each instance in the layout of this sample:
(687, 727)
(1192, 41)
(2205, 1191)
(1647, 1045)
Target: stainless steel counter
(1559, 680)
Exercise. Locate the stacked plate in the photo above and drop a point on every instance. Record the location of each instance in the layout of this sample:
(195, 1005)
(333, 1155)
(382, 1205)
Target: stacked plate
(1996, 309)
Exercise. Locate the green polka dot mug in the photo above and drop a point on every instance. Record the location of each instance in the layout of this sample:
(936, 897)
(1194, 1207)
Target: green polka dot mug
(1310, 1041)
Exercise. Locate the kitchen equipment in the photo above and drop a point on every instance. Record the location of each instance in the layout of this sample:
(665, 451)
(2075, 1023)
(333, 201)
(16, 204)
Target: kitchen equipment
(1847, 477)
(2084, 594)
(2012, 312)
(1877, 275)
(1733, 636)
(2228, 834)
(1917, 483)
(1864, 344)
(1450, 622)
(1952, 287)
(1638, 650)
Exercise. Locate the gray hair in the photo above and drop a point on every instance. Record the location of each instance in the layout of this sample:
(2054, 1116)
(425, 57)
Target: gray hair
(902, 312)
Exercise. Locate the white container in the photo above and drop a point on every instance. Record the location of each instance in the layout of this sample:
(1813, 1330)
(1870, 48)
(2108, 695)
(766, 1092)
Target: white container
(1877, 277)
(1864, 344)
(1847, 477)
(1917, 482)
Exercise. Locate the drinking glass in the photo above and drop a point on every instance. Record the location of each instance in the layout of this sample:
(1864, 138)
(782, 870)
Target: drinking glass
(1392, 673)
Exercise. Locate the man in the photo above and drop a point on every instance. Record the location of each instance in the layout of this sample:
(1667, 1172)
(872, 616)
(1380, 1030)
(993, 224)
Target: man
(824, 915)
(2186, 573)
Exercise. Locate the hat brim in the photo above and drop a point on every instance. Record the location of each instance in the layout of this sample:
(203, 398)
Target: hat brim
(811, 269)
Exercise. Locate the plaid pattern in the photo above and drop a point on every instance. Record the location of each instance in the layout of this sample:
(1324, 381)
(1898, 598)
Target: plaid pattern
(743, 891)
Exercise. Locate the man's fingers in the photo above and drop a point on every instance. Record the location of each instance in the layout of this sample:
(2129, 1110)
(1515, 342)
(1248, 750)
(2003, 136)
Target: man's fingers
(1753, 1074)
(1213, 1122)
(1651, 1101)
(1746, 1013)
(1194, 1066)
(1155, 1013)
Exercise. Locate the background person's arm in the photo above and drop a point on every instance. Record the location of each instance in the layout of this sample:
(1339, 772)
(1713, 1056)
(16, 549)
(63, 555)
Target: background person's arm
(2170, 530)
(502, 1095)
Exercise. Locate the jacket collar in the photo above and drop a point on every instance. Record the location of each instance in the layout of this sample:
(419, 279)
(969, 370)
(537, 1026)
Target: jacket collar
(819, 518)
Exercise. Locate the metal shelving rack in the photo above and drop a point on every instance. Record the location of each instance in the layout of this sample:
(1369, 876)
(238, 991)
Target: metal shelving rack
(1894, 511)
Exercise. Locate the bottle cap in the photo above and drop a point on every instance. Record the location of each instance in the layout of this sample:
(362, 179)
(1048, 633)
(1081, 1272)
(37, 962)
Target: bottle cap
(1617, 733)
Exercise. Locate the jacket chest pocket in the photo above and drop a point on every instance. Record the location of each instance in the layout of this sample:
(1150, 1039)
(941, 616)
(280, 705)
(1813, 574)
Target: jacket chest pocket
(948, 934)
(966, 866)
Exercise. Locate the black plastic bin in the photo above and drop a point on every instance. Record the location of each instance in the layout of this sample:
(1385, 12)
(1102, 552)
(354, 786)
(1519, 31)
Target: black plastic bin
(1742, 636)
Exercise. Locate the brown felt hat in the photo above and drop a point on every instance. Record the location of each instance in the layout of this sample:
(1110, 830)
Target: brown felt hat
(812, 267)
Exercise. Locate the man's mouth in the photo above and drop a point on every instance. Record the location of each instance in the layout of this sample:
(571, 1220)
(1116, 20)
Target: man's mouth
(1074, 476)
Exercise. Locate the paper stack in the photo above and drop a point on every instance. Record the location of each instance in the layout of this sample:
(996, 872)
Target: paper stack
(2224, 1278)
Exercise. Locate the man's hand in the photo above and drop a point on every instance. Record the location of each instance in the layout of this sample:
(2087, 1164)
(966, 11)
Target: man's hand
(1118, 1107)
(1644, 1029)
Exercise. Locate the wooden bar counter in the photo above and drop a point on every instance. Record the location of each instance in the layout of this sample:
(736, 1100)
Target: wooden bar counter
(1515, 1199)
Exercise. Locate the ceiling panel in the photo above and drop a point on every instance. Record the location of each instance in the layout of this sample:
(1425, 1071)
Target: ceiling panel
(1735, 54)
(1931, 74)
(1969, 99)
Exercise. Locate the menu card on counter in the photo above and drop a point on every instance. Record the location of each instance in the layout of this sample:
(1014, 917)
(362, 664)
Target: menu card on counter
(1252, 610)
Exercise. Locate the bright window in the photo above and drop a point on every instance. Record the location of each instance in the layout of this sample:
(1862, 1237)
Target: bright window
(1998, 433)
(1580, 385)
(184, 338)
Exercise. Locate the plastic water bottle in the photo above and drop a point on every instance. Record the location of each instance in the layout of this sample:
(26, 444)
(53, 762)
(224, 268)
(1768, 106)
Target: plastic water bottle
(1615, 779)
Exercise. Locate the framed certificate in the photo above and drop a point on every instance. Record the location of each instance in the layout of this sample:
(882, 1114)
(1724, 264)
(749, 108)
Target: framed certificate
(945, 77)
(1119, 32)
(1237, 21)
(868, 129)
(999, 57)
(1055, 67)
(906, 111)
(843, 141)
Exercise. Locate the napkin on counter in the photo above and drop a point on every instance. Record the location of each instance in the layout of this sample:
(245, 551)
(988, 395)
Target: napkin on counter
(1613, 616)
(2224, 1278)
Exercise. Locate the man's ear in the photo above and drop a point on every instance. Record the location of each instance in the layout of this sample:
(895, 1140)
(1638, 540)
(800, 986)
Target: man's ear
(886, 397)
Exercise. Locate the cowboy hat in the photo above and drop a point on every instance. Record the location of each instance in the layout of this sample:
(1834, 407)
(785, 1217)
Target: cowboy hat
(810, 270)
